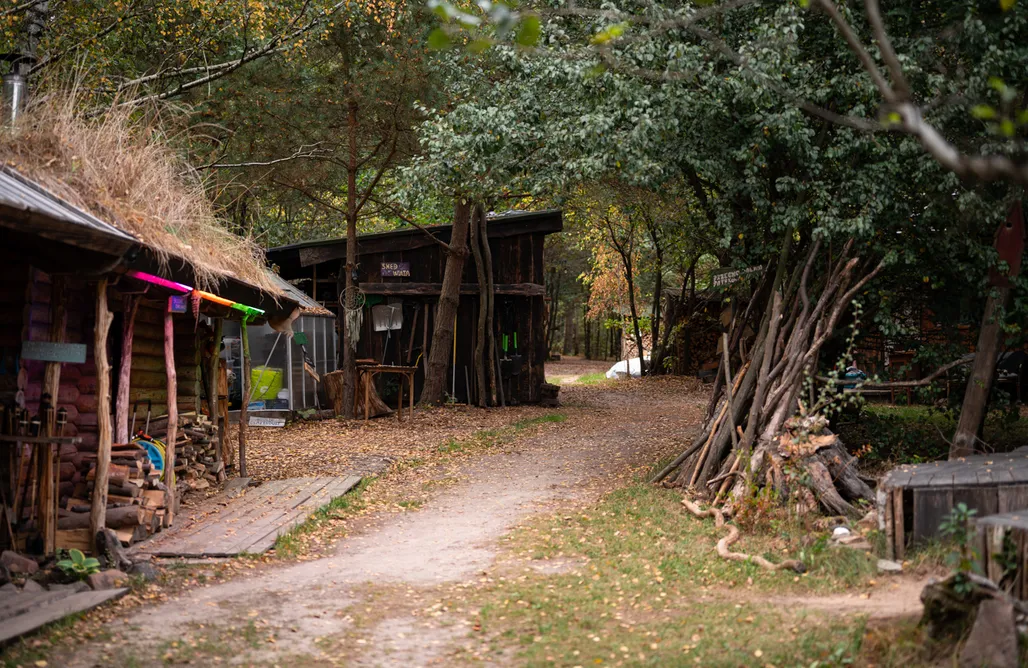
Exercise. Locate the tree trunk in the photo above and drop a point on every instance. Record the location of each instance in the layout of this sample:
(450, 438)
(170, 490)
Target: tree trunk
(483, 308)
(658, 289)
(1009, 246)
(588, 336)
(490, 314)
(635, 317)
(121, 406)
(976, 394)
(349, 351)
(98, 509)
(446, 312)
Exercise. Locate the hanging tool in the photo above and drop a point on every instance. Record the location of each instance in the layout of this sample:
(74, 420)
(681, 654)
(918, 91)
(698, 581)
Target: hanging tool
(149, 411)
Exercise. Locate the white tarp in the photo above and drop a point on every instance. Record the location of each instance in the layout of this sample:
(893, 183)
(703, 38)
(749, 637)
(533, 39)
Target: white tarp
(625, 367)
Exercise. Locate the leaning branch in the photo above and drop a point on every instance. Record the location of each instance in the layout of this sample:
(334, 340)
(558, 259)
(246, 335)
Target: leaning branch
(927, 380)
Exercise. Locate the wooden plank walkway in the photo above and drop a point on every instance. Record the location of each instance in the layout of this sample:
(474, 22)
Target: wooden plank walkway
(250, 522)
(23, 613)
(914, 499)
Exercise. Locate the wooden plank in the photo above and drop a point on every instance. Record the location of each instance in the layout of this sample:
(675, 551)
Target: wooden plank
(69, 605)
(965, 476)
(20, 603)
(1003, 476)
(982, 499)
(253, 527)
(890, 533)
(899, 524)
(1021, 584)
(930, 508)
(335, 488)
(994, 535)
(1011, 498)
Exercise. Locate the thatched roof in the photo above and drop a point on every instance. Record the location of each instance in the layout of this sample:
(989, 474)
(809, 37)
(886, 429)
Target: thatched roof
(122, 171)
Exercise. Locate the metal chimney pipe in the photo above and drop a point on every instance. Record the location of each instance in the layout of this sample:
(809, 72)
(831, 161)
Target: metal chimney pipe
(13, 97)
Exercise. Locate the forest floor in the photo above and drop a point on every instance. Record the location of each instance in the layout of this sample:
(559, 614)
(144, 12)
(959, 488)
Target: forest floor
(522, 536)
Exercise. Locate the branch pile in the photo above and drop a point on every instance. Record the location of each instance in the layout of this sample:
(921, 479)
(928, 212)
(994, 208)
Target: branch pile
(758, 433)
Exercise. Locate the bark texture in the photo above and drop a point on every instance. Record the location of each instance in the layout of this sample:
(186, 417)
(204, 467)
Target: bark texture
(449, 299)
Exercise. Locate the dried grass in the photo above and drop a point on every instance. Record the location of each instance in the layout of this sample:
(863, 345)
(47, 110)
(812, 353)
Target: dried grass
(121, 167)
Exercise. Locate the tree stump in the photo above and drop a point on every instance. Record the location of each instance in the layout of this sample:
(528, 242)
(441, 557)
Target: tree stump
(549, 395)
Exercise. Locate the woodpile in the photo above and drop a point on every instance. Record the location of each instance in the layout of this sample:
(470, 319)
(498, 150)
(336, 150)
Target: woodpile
(136, 495)
(197, 465)
(136, 503)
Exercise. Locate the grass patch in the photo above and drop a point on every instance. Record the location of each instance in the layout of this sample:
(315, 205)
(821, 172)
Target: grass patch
(549, 418)
(592, 378)
(290, 544)
(641, 584)
(411, 504)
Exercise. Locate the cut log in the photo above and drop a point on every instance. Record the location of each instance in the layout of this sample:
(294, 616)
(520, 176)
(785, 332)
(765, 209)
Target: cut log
(117, 518)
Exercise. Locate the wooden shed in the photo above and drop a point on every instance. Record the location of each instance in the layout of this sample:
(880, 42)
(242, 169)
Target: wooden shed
(92, 320)
(403, 269)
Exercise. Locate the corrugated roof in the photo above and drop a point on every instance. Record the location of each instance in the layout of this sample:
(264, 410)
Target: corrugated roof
(18, 192)
(307, 305)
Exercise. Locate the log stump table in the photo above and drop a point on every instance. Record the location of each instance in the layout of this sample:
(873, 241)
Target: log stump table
(366, 372)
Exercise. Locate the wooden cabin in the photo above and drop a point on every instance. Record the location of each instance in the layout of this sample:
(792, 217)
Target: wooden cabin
(404, 269)
(68, 388)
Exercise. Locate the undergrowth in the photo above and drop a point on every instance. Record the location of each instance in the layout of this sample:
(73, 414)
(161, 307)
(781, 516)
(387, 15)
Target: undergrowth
(886, 435)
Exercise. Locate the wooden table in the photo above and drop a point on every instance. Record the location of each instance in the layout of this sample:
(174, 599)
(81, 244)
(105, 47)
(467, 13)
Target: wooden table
(366, 373)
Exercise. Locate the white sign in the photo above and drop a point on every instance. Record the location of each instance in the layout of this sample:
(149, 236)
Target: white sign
(266, 422)
(726, 277)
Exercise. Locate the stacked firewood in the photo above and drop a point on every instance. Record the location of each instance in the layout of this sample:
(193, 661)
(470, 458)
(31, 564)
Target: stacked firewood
(197, 466)
(136, 503)
(136, 493)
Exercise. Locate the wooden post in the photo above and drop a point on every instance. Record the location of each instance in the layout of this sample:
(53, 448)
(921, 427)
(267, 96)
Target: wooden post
(121, 405)
(48, 483)
(98, 511)
(213, 369)
(243, 418)
(169, 453)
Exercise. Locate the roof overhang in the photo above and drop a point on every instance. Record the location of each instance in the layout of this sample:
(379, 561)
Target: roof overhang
(308, 253)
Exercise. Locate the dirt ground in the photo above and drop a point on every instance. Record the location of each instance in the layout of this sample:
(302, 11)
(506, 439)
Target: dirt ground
(368, 599)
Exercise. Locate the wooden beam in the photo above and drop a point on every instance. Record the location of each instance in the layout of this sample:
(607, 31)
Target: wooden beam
(243, 408)
(431, 289)
(212, 387)
(169, 453)
(121, 405)
(98, 510)
(48, 492)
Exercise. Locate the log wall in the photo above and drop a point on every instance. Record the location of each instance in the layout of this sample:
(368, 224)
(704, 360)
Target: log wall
(148, 381)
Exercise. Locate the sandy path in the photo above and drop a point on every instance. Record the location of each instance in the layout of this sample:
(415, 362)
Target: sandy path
(451, 539)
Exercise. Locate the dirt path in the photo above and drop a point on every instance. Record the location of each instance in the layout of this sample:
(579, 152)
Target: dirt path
(292, 613)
